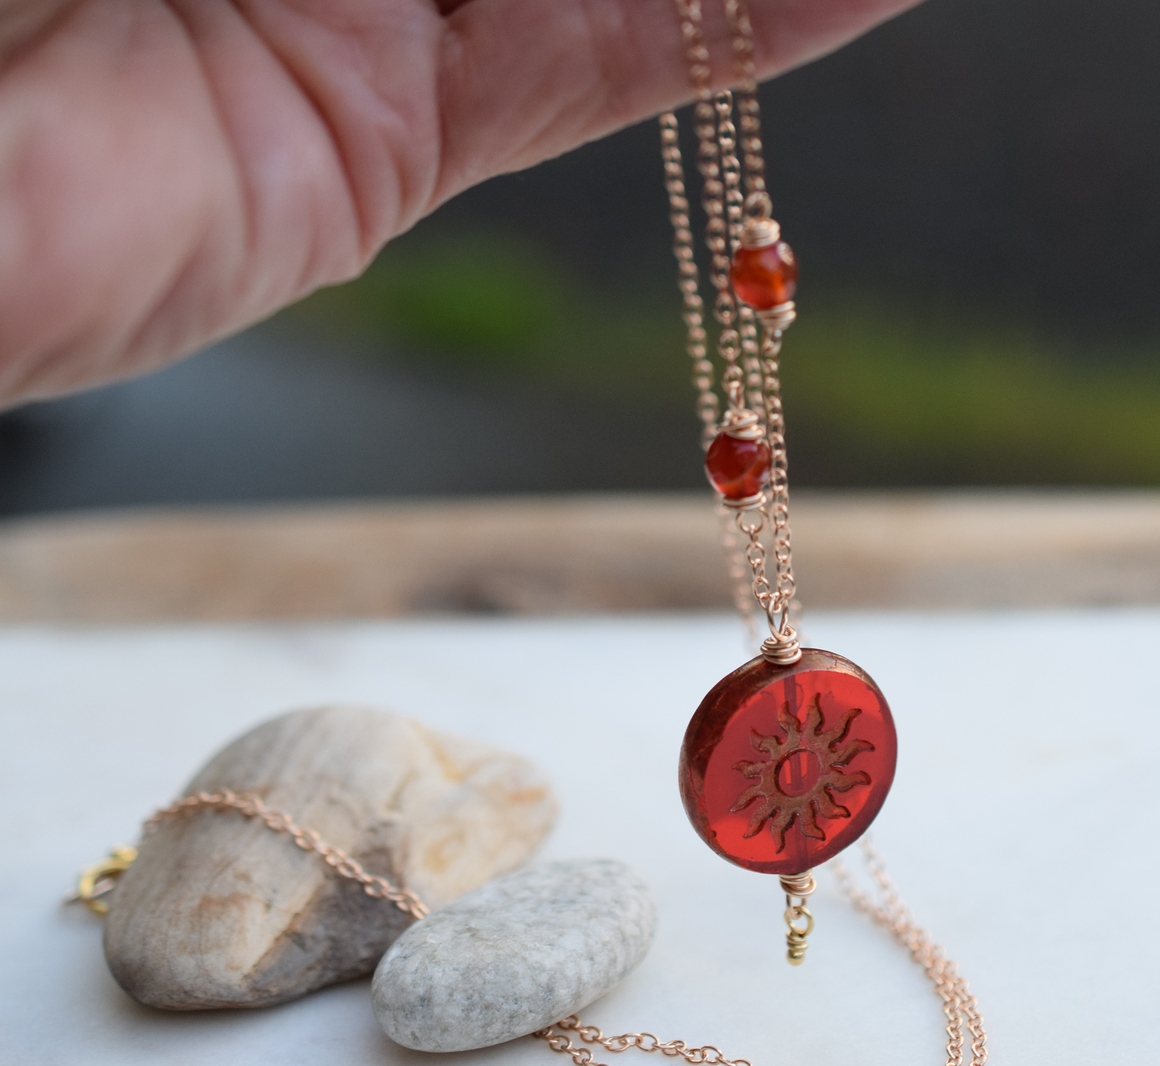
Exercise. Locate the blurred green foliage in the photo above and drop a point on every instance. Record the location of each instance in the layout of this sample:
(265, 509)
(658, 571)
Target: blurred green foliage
(878, 392)
(481, 294)
(891, 398)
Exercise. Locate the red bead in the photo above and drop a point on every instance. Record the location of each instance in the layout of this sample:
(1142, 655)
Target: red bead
(784, 766)
(765, 277)
(738, 468)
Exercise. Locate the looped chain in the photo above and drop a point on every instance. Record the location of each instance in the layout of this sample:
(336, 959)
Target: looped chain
(307, 839)
(582, 1056)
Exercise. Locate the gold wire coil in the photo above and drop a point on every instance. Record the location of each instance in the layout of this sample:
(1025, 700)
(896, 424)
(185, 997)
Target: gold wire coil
(742, 423)
(778, 319)
(747, 503)
(782, 649)
(795, 939)
(760, 232)
(798, 888)
(800, 885)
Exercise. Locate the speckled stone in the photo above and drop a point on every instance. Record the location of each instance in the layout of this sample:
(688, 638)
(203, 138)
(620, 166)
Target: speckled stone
(514, 956)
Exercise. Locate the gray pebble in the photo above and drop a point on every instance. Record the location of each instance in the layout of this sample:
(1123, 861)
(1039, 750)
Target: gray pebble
(514, 955)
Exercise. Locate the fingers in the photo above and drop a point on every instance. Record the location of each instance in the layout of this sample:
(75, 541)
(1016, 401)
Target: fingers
(524, 80)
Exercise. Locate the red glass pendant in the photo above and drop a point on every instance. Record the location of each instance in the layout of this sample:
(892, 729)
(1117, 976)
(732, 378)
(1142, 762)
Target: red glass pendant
(738, 468)
(785, 766)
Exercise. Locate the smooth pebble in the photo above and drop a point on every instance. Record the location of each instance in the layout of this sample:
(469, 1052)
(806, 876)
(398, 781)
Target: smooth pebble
(514, 956)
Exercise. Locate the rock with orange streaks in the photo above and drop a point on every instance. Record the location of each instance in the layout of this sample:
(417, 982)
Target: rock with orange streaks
(221, 911)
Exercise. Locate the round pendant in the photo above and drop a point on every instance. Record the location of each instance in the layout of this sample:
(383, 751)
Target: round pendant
(784, 766)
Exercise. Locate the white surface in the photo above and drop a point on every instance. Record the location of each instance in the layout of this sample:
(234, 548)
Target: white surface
(1022, 828)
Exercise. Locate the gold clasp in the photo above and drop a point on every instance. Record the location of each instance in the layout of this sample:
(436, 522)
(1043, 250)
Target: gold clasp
(798, 888)
(795, 938)
(98, 880)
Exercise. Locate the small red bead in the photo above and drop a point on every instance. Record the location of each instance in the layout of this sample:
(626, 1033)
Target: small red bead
(765, 277)
(738, 468)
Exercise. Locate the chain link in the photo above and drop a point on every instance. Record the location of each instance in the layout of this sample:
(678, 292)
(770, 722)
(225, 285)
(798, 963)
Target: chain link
(777, 504)
(960, 1007)
(717, 172)
(751, 369)
(581, 1056)
(307, 839)
(737, 563)
(688, 279)
(748, 109)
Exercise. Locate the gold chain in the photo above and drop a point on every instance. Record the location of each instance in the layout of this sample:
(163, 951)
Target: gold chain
(726, 209)
(961, 1008)
(307, 839)
(559, 1041)
(688, 279)
(708, 406)
(341, 863)
(750, 376)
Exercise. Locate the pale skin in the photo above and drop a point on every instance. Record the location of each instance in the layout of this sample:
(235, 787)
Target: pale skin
(172, 171)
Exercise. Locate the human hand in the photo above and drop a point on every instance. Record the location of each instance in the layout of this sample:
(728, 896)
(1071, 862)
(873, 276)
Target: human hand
(174, 170)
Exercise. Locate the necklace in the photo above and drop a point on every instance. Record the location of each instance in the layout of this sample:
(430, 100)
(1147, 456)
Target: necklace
(789, 758)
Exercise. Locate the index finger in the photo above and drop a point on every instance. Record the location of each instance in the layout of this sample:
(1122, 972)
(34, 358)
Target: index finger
(524, 80)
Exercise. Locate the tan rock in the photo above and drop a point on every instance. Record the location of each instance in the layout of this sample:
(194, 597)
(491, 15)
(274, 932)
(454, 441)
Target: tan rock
(220, 911)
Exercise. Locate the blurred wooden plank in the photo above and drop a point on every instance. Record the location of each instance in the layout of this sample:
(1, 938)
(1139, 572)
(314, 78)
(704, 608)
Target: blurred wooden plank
(567, 554)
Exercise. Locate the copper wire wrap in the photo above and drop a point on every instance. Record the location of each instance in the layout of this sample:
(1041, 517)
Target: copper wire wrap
(801, 885)
(782, 648)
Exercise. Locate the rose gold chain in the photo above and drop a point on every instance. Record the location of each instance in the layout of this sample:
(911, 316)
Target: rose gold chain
(727, 209)
(688, 279)
(708, 406)
(734, 208)
(307, 839)
(751, 371)
(961, 1008)
(559, 1041)
(959, 1005)
(748, 108)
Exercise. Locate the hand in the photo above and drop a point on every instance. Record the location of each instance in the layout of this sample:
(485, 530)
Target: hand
(174, 170)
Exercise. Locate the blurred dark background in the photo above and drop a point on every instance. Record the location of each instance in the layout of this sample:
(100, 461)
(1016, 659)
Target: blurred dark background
(972, 193)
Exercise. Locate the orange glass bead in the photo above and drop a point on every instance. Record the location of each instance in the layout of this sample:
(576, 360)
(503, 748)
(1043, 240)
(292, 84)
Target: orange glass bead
(765, 277)
(785, 766)
(738, 468)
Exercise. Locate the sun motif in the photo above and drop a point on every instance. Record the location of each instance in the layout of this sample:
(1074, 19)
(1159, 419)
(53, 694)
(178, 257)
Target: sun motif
(802, 774)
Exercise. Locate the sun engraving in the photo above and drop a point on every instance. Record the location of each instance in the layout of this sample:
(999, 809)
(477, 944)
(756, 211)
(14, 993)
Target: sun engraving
(799, 780)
